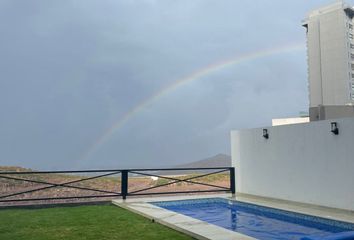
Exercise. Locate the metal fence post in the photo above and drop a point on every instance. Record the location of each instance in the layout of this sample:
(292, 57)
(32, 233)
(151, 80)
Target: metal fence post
(124, 184)
(232, 181)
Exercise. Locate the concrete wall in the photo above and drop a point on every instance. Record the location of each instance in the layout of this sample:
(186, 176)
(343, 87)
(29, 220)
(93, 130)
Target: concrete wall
(302, 162)
(287, 121)
(330, 112)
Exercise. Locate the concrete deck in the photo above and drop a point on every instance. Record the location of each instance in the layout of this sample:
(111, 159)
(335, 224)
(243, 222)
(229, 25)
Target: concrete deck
(309, 209)
(203, 230)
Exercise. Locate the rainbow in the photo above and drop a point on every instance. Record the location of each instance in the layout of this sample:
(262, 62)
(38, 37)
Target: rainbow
(199, 74)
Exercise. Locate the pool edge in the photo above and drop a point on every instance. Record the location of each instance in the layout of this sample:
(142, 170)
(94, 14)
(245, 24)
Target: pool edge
(298, 207)
(190, 226)
(307, 209)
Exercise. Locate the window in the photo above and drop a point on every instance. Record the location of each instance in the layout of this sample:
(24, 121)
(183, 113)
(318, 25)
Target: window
(352, 87)
(352, 46)
(352, 95)
(350, 35)
(352, 75)
(352, 66)
(350, 26)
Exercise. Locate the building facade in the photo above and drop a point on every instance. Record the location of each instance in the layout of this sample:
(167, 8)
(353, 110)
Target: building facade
(330, 50)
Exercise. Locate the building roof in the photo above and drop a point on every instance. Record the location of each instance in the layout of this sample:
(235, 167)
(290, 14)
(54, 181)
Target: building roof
(329, 8)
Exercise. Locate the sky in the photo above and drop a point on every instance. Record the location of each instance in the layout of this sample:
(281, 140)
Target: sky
(95, 84)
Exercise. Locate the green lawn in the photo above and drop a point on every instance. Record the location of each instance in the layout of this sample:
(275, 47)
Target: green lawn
(83, 222)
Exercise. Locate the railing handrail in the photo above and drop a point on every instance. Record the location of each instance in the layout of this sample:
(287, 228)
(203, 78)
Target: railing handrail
(116, 170)
(124, 176)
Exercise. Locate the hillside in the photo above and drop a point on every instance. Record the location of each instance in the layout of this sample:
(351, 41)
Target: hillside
(220, 160)
(14, 169)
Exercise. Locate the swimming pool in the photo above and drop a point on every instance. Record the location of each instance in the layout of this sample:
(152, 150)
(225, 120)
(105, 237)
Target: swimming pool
(260, 222)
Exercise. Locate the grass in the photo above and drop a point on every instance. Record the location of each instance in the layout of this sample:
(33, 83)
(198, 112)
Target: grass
(81, 223)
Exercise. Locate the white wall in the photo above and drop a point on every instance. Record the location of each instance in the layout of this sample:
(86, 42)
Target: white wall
(287, 121)
(301, 162)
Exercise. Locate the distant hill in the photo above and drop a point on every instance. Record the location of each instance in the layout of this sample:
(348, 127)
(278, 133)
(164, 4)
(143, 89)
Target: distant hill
(220, 160)
(14, 169)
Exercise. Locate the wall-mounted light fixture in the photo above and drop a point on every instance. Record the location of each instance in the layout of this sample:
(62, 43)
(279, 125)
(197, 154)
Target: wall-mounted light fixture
(265, 133)
(334, 128)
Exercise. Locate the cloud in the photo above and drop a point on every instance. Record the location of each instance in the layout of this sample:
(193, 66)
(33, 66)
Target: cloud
(70, 69)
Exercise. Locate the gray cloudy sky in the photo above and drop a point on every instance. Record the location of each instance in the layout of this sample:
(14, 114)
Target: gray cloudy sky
(70, 69)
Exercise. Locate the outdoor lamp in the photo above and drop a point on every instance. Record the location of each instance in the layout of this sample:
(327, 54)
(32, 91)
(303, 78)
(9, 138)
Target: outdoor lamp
(265, 133)
(334, 128)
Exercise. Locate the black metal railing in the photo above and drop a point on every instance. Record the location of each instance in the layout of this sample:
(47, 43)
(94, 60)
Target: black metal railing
(107, 183)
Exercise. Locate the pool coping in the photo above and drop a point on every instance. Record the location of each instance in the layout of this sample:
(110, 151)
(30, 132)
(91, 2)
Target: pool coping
(179, 222)
(206, 231)
(304, 208)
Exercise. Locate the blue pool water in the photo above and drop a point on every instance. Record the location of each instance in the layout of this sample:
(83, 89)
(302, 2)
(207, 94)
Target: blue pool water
(256, 221)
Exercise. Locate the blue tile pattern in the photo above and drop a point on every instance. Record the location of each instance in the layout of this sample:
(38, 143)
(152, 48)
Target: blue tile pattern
(262, 214)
